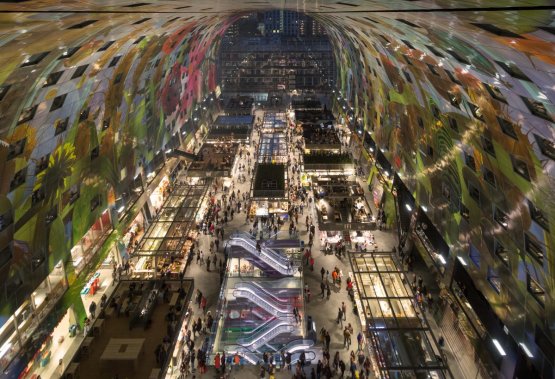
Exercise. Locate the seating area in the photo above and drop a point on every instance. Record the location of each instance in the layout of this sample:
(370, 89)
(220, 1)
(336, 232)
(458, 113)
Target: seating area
(122, 342)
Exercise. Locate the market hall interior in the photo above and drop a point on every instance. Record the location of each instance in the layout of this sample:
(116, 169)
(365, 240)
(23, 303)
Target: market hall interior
(453, 101)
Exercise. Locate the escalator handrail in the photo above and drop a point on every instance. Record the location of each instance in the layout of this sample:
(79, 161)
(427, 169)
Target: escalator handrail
(252, 239)
(282, 267)
(281, 325)
(279, 256)
(258, 287)
(254, 296)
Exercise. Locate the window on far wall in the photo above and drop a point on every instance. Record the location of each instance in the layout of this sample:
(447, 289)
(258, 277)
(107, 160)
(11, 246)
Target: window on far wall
(494, 280)
(501, 217)
(536, 289)
(474, 255)
(538, 216)
(501, 252)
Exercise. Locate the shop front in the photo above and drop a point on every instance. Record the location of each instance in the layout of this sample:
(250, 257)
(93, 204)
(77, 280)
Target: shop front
(87, 247)
(21, 329)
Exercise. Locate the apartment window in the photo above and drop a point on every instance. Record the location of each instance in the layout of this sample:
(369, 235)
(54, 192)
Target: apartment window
(138, 40)
(513, 70)
(534, 248)
(538, 216)
(95, 152)
(476, 111)
(495, 93)
(69, 52)
(452, 77)
(453, 124)
(494, 280)
(61, 125)
(420, 122)
(501, 217)
(84, 114)
(458, 57)
(501, 252)
(118, 78)
(489, 176)
(95, 202)
(470, 161)
(53, 78)
(474, 192)
(6, 220)
(446, 191)
(435, 51)
(114, 61)
(42, 163)
(435, 111)
(507, 127)
(521, 168)
(16, 148)
(83, 24)
(464, 211)
(37, 196)
(497, 31)
(537, 108)
(34, 59)
(106, 46)
(474, 255)
(79, 71)
(546, 146)
(407, 75)
(3, 91)
(535, 289)
(105, 124)
(487, 144)
(18, 179)
(407, 22)
(432, 69)
(141, 21)
(58, 102)
(27, 114)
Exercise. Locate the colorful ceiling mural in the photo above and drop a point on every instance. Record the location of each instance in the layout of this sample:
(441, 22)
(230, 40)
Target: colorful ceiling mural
(459, 97)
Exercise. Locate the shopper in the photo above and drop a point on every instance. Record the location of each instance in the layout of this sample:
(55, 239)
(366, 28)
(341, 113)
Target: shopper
(92, 309)
(344, 310)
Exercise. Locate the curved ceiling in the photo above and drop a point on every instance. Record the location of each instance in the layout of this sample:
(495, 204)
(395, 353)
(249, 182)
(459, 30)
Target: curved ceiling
(459, 97)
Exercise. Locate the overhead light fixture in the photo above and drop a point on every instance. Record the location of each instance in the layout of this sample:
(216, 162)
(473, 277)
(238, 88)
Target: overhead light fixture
(424, 208)
(499, 347)
(409, 208)
(526, 350)
(121, 209)
(461, 259)
(441, 259)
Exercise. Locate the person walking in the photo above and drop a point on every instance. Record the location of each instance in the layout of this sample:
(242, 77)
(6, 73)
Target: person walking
(340, 317)
(328, 291)
(346, 338)
(344, 310)
(359, 340)
(323, 272)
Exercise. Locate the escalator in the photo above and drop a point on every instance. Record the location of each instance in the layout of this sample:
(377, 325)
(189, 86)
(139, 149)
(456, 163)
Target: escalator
(267, 333)
(267, 259)
(270, 306)
(262, 290)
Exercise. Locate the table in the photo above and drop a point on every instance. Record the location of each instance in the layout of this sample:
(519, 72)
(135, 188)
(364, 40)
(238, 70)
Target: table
(174, 298)
(123, 349)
